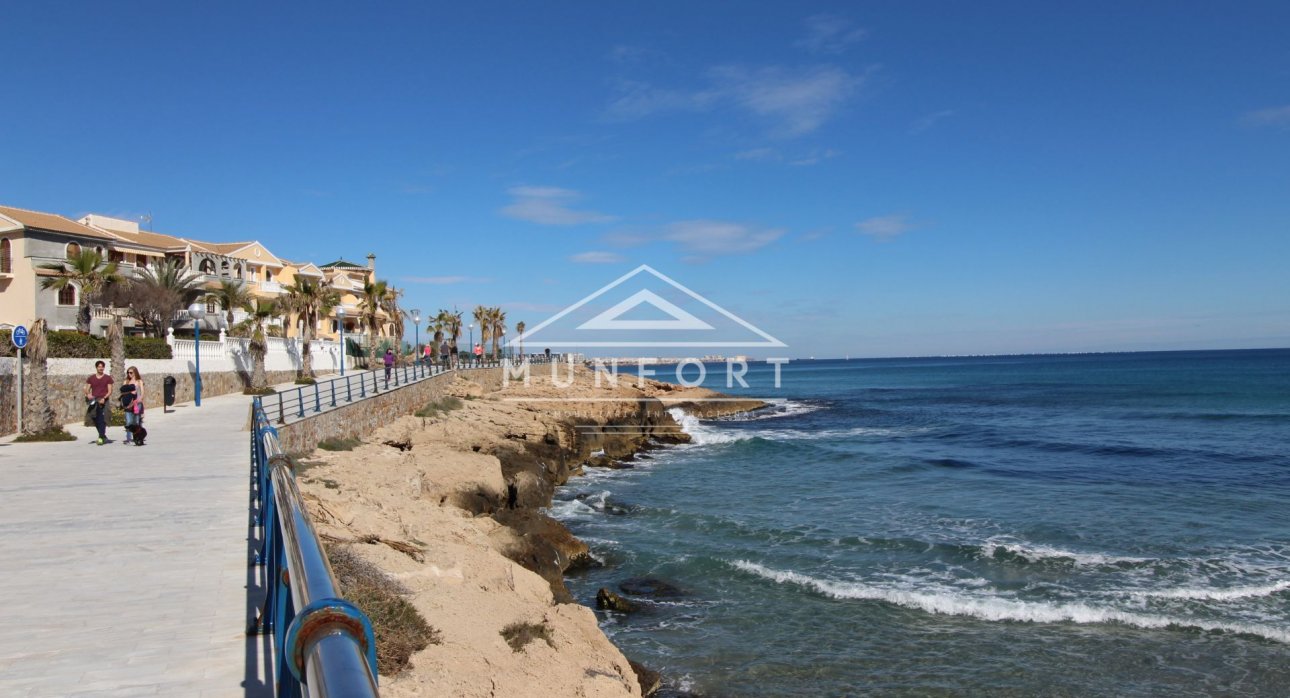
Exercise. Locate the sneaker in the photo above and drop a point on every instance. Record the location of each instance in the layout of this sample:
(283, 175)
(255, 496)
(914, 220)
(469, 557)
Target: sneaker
(101, 441)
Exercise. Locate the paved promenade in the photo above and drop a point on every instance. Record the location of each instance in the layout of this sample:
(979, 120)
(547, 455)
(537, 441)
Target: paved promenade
(124, 569)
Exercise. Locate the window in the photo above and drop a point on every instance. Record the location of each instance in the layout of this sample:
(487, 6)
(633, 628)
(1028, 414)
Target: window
(210, 306)
(6, 265)
(223, 268)
(116, 256)
(207, 267)
(141, 260)
(100, 251)
(73, 249)
(67, 295)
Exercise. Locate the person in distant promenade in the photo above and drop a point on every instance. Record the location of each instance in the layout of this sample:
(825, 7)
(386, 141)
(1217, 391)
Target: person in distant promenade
(548, 354)
(389, 363)
(428, 354)
(133, 406)
(98, 388)
(479, 354)
(443, 355)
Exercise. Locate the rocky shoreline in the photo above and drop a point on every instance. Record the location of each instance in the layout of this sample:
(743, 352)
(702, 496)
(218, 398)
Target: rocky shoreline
(465, 486)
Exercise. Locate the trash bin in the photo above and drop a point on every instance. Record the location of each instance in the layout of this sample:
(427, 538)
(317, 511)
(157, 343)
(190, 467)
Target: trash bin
(168, 391)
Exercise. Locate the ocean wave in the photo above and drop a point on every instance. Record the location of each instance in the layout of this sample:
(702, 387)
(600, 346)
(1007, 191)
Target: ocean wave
(997, 609)
(706, 435)
(1033, 552)
(1208, 594)
(776, 408)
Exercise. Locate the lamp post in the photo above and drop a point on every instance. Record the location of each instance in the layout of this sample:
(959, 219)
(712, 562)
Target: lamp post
(472, 342)
(197, 312)
(340, 320)
(416, 325)
(503, 344)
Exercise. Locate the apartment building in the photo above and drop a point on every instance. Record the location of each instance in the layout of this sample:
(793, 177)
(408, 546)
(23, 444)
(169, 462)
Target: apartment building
(30, 239)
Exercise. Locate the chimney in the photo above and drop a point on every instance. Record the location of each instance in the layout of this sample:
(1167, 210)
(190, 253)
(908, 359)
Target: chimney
(371, 264)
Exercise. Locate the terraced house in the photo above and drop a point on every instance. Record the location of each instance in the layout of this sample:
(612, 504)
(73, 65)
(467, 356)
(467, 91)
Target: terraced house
(30, 240)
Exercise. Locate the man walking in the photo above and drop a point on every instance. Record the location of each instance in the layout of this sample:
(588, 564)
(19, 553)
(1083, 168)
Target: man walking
(98, 388)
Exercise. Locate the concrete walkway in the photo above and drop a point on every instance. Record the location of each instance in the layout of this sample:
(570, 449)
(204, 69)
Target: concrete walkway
(123, 570)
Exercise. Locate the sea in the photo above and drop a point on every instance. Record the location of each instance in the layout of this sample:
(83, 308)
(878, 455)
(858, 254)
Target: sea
(1067, 525)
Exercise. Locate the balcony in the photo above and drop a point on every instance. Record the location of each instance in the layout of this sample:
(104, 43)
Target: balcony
(270, 287)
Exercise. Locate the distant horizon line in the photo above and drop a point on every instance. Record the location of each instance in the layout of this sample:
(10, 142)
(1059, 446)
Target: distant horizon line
(754, 360)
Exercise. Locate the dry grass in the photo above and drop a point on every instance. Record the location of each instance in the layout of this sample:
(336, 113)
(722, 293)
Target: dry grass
(400, 630)
(334, 444)
(54, 434)
(434, 408)
(517, 635)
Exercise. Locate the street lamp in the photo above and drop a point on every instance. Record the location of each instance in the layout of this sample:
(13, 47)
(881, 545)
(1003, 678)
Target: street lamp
(197, 312)
(472, 342)
(340, 319)
(503, 344)
(416, 325)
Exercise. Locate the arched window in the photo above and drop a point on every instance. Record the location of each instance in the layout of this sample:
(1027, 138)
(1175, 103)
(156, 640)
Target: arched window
(73, 249)
(67, 295)
(6, 264)
(207, 267)
(100, 251)
(240, 272)
(210, 306)
(223, 268)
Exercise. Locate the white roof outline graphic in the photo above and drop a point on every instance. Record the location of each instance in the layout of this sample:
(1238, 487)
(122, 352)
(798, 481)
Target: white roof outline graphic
(609, 320)
(528, 335)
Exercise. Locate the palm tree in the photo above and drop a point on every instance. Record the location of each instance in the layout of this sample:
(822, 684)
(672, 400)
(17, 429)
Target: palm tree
(309, 300)
(390, 305)
(436, 328)
(231, 294)
(483, 317)
(39, 412)
(519, 332)
(116, 344)
(369, 312)
(89, 274)
(160, 291)
(497, 317)
(452, 326)
(258, 312)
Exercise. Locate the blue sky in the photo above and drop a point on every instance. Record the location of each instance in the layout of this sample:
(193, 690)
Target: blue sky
(872, 179)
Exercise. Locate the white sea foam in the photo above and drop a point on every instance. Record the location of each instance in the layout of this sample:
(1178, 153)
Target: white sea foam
(706, 435)
(1035, 552)
(1209, 594)
(776, 408)
(993, 608)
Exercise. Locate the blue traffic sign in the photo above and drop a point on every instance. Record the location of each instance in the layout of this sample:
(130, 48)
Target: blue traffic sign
(19, 337)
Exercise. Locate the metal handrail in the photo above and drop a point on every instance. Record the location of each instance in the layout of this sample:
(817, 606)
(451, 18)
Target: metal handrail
(303, 400)
(324, 645)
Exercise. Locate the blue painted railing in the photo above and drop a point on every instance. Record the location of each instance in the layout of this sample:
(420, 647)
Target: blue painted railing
(323, 645)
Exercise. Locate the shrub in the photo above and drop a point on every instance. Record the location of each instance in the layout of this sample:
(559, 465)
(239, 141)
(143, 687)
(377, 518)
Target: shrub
(55, 434)
(517, 635)
(305, 381)
(259, 391)
(400, 629)
(74, 345)
(436, 407)
(335, 444)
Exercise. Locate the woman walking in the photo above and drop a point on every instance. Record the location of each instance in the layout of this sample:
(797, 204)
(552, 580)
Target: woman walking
(132, 403)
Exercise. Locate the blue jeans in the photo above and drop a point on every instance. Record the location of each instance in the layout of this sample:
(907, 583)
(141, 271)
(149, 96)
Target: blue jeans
(100, 421)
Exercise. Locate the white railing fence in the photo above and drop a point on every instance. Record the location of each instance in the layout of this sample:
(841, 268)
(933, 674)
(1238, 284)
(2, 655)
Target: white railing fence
(281, 354)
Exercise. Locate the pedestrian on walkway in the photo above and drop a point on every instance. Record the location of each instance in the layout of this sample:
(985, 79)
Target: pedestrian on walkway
(132, 403)
(479, 354)
(389, 364)
(98, 388)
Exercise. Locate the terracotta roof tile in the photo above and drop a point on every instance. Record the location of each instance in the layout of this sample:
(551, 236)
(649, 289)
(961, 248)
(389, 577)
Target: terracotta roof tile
(52, 222)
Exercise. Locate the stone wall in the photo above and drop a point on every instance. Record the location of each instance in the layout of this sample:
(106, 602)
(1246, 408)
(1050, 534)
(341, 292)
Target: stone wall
(362, 418)
(67, 381)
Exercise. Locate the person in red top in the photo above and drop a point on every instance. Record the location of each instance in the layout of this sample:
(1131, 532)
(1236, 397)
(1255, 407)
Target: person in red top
(98, 388)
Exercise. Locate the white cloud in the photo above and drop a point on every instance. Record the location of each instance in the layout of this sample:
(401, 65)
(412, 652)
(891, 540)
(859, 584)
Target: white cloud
(794, 101)
(596, 257)
(929, 121)
(758, 155)
(884, 227)
(815, 157)
(1272, 116)
(445, 280)
(704, 239)
(827, 33)
(550, 206)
